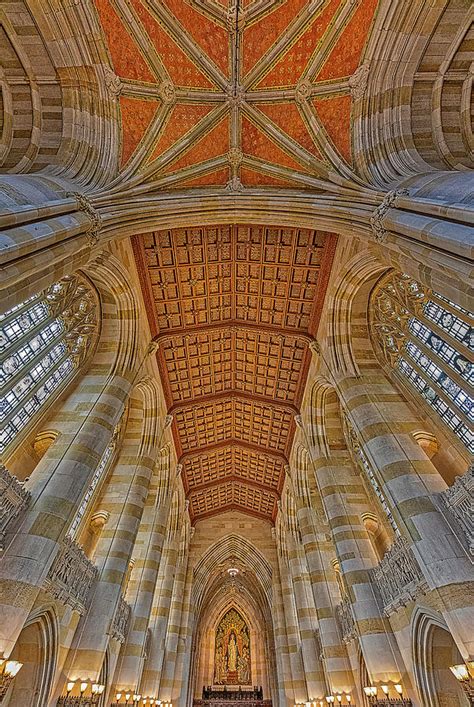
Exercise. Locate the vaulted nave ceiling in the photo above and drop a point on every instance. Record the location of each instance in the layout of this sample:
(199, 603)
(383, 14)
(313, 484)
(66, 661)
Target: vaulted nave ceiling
(225, 94)
(243, 94)
(234, 309)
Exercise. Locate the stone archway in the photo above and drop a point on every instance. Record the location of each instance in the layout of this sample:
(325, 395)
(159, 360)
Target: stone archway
(434, 651)
(36, 648)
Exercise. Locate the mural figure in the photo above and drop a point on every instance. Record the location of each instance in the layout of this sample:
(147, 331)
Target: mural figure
(232, 651)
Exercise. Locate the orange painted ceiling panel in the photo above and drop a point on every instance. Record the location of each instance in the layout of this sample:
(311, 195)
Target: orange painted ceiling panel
(126, 57)
(212, 39)
(183, 117)
(345, 57)
(213, 144)
(287, 71)
(288, 118)
(257, 144)
(259, 37)
(335, 115)
(136, 117)
(180, 68)
(218, 178)
(250, 177)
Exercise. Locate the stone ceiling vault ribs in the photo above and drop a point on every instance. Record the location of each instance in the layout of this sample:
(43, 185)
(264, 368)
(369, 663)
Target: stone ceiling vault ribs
(180, 52)
(234, 309)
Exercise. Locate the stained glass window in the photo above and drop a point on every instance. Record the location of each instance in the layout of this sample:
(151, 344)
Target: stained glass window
(42, 343)
(430, 342)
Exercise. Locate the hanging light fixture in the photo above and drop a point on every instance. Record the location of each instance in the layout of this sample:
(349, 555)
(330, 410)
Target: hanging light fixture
(384, 700)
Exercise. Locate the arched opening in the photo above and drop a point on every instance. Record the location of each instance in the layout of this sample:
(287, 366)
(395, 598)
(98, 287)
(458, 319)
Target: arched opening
(434, 651)
(36, 648)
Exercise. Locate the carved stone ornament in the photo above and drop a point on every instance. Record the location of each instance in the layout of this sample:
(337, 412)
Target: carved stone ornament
(315, 347)
(234, 185)
(358, 81)
(167, 92)
(299, 421)
(302, 92)
(153, 347)
(179, 470)
(236, 95)
(235, 157)
(376, 220)
(112, 82)
(86, 206)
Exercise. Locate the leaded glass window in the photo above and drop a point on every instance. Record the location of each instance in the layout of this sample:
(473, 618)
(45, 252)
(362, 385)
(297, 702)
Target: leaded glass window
(430, 342)
(42, 343)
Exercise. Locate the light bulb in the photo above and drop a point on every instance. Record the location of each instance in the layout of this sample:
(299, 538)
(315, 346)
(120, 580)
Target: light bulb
(118, 696)
(101, 689)
(95, 689)
(83, 687)
(384, 689)
(12, 667)
(398, 688)
(348, 698)
(339, 698)
(460, 672)
(70, 687)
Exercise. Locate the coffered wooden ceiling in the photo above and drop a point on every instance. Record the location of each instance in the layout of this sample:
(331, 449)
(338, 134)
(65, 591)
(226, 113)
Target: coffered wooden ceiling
(234, 309)
(236, 93)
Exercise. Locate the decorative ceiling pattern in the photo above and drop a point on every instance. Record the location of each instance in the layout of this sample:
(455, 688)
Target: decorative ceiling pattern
(234, 309)
(238, 93)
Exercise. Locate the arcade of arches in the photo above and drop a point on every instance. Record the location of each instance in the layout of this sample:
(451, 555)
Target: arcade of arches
(236, 352)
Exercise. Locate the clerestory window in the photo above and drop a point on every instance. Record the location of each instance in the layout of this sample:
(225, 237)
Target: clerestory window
(430, 342)
(43, 342)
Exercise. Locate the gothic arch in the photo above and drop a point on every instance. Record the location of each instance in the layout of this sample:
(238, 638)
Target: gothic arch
(433, 651)
(37, 648)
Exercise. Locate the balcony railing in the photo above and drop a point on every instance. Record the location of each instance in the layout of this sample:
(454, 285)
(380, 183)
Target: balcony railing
(71, 576)
(14, 500)
(346, 620)
(398, 577)
(456, 503)
(120, 621)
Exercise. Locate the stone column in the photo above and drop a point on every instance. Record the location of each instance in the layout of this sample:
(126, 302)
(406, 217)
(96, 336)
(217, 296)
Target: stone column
(283, 682)
(48, 230)
(383, 422)
(175, 617)
(124, 499)
(147, 554)
(307, 621)
(293, 638)
(318, 552)
(57, 486)
(160, 615)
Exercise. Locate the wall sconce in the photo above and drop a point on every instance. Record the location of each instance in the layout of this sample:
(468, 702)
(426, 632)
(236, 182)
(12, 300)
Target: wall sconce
(85, 697)
(386, 700)
(8, 670)
(330, 699)
(464, 673)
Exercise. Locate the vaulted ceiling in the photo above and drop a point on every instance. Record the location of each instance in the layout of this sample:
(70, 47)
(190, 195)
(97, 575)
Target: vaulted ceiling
(240, 93)
(234, 309)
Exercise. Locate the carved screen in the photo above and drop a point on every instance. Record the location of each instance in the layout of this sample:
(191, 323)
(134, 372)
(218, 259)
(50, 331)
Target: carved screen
(232, 651)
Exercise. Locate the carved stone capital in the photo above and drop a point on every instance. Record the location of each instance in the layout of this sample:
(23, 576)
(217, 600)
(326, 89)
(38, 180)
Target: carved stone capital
(315, 347)
(234, 185)
(376, 220)
(98, 520)
(358, 81)
(86, 206)
(153, 347)
(112, 82)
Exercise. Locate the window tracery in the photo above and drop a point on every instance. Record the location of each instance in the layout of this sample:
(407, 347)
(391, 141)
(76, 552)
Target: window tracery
(429, 341)
(43, 342)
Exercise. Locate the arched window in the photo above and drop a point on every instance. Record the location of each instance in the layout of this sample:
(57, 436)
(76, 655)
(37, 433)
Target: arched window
(428, 340)
(42, 343)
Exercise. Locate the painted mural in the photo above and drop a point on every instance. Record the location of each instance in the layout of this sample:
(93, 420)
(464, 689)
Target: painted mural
(232, 651)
